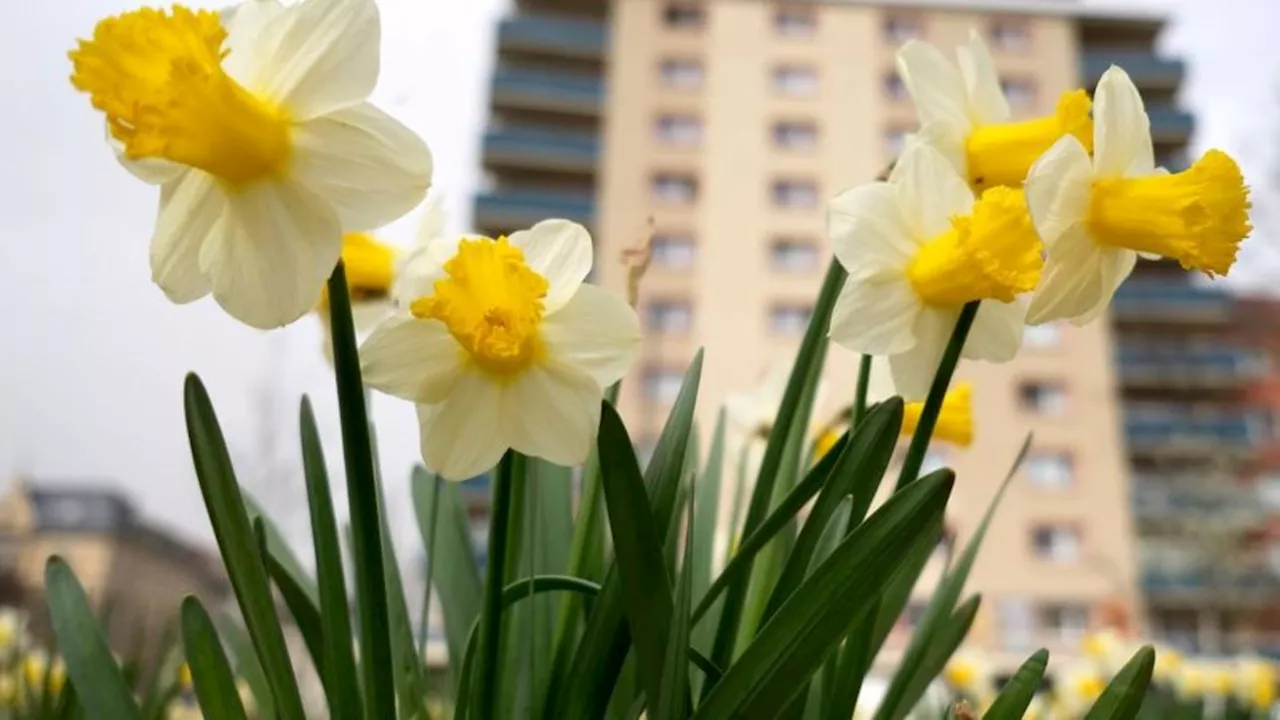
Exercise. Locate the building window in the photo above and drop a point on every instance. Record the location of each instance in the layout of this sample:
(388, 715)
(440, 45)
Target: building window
(1048, 335)
(795, 194)
(895, 139)
(683, 16)
(894, 87)
(900, 28)
(678, 129)
(797, 80)
(672, 252)
(1064, 622)
(1020, 92)
(789, 318)
(795, 134)
(1058, 543)
(674, 189)
(1017, 623)
(662, 384)
(674, 317)
(682, 73)
(1045, 398)
(1050, 469)
(789, 255)
(795, 22)
(1010, 35)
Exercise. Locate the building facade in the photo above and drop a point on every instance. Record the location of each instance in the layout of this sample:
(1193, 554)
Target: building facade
(719, 129)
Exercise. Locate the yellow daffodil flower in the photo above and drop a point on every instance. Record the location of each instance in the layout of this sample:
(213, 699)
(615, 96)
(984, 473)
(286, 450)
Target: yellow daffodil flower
(255, 124)
(1168, 664)
(968, 674)
(13, 630)
(1255, 682)
(964, 114)
(8, 691)
(1098, 215)
(1081, 686)
(1191, 680)
(917, 248)
(504, 347)
(185, 682)
(370, 266)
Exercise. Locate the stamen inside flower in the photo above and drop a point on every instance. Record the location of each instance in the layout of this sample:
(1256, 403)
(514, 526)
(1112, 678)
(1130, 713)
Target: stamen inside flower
(993, 254)
(492, 304)
(1197, 217)
(955, 419)
(158, 77)
(1001, 154)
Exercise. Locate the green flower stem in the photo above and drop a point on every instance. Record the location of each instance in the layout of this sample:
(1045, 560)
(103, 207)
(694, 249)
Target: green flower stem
(937, 391)
(424, 614)
(371, 588)
(860, 391)
(487, 665)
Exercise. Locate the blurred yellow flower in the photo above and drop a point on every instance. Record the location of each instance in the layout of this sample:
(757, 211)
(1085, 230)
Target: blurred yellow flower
(504, 347)
(1256, 682)
(13, 629)
(184, 677)
(1191, 680)
(967, 673)
(1168, 664)
(8, 690)
(955, 418)
(1098, 215)
(965, 116)
(254, 121)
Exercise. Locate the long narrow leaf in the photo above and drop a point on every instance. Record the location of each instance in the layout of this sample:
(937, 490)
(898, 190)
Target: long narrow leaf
(215, 684)
(949, 637)
(93, 671)
(280, 549)
(410, 678)
(673, 694)
(1123, 696)
(1016, 696)
(453, 560)
(505, 490)
(238, 547)
(247, 667)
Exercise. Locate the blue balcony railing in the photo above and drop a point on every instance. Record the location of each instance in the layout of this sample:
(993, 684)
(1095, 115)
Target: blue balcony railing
(1186, 366)
(1252, 582)
(515, 209)
(546, 90)
(1169, 124)
(573, 37)
(1173, 432)
(1174, 300)
(529, 147)
(1147, 70)
(1195, 501)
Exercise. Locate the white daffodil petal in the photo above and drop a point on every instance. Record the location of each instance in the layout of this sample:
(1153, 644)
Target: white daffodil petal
(366, 163)
(150, 170)
(875, 314)
(914, 369)
(318, 56)
(411, 358)
(930, 192)
(552, 411)
(273, 250)
(244, 22)
(433, 219)
(596, 332)
(1071, 284)
(1058, 189)
(987, 103)
(1121, 129)
(190, 208)
(933, 82)
(460, 437)
(996, 335)
(421, 268)
(1114, 269)
(946, 137)
(559, 251)
(868, 231)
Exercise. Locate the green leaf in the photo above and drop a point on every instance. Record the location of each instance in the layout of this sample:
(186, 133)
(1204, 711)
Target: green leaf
(215, 684)
(280, 548)
(453, 560)
(362, 503)
(895, 705)
(810, 624)
(410, 680)
(1123, 696)
(337, 662)
(791, 411)
(638, 549)
(1016, 696)
(238, 547)
(306, 615)
(248, 667)
(673, 695)
(605, 641)
(90, 665)
(506, 489)
(949, 637)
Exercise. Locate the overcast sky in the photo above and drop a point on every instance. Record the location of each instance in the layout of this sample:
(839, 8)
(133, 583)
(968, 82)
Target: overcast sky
(92, 356)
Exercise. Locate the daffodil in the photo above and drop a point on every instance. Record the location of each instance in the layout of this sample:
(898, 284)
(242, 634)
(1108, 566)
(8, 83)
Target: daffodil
(504, 347)
(8, 690)
(968, 674)
(1168, 664)
(964, 114)
(42, 675)
(1081, 686)
(917, 248)
(254, 122)
(185, 682)
(13, 630)
(1191, 681)
(1097, 215)
(1255, 682)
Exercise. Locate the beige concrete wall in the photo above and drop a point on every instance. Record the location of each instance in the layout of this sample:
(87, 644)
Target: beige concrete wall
(732, 284)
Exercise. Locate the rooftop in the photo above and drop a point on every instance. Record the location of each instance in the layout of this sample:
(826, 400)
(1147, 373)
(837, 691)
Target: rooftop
(1070, 8)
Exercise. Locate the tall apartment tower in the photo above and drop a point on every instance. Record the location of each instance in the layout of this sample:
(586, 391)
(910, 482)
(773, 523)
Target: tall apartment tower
(721, 128)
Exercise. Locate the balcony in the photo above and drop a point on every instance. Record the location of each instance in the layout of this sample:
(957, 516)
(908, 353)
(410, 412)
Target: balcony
(536, 149)
(507, 210)
(1147, 70)
(1224, 433)
(562, 37)
(570, 93)
(1191, 368)
(1169, 124)
(1194, 503)
(1173, 301)
(1245, 586)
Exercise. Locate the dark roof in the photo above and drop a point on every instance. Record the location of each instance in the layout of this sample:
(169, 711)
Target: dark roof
(80, 509)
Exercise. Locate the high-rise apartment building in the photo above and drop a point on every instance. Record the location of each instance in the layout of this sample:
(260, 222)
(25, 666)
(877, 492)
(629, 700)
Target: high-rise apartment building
(721, 128)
